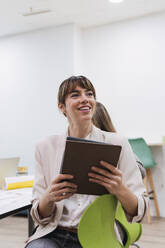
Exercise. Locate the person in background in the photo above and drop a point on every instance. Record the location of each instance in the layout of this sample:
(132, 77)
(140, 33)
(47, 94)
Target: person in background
(102, 120)
(56, 207)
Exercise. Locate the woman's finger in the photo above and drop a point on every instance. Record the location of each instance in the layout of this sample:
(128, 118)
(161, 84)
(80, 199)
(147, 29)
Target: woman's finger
(108, 186)
(106, 173)
(112, 168)
(62, 197)
(62, 177)
(99, 177)
(62, 185)
(65, 191)
(116, 179)
(101, 171)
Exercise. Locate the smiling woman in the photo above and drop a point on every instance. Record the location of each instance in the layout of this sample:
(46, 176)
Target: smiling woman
(80, 103)
(57, 209)
(77, 100)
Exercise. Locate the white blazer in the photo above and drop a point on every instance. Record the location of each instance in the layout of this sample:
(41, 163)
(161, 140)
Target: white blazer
(49, 153)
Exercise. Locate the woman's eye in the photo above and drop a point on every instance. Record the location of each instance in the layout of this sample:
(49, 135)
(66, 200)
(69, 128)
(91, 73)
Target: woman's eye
(74, 95)
(90, 93)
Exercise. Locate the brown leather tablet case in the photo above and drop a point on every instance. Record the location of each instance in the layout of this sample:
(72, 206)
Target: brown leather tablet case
(80, 155)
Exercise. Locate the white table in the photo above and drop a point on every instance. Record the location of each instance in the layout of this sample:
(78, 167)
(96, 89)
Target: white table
(14, 201)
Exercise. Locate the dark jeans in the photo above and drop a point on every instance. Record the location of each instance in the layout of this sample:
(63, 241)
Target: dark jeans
(57, 239)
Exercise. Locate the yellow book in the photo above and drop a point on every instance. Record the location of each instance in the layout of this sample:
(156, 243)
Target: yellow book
(18, 182)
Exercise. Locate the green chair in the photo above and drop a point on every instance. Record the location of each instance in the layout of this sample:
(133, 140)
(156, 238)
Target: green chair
(143, 152)
(96, 227)
(133, 230)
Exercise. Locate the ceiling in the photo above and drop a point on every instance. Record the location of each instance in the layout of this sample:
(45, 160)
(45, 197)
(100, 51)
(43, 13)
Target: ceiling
(84, 13)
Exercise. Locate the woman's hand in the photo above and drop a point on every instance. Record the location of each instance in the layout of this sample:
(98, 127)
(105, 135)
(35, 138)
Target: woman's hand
(111, 178)
(59, 189)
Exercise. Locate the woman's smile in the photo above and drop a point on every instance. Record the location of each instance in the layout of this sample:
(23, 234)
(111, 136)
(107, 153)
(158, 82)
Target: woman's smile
(85, 109)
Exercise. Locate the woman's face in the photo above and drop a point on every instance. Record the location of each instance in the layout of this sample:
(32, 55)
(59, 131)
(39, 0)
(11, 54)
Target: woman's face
(79, 105)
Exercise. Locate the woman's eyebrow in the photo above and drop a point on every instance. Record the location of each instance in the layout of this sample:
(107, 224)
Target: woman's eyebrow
(88, 90)
(78, 91)
(74, 91)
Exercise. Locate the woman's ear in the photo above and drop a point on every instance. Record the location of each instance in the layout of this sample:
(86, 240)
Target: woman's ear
(62, 108)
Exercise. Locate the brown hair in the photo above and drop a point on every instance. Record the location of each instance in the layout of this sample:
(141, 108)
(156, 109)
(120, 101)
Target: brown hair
(101, 118)
(70, 84)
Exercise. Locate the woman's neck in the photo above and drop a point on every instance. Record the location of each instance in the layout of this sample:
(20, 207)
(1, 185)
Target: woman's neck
(80, 131)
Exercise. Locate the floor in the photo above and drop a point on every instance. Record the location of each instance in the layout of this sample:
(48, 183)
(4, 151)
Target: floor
(153, 235)
(13, 233)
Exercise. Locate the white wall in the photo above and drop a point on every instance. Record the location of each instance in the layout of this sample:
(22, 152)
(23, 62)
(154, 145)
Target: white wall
(78, 63)
(126, 63)
(32, 66)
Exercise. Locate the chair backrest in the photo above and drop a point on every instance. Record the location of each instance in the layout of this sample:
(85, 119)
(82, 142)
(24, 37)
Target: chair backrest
(143, 152)
(133, 230)
(96, 227)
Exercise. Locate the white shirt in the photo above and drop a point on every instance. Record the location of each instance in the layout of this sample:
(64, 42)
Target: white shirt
(74, 208)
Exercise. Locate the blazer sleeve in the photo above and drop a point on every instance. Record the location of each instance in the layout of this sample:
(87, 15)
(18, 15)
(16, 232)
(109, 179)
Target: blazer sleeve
(133, 179)
(39, 189)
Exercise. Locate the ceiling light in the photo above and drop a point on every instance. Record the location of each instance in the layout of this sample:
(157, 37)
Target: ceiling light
(116, 1)
(37, 12)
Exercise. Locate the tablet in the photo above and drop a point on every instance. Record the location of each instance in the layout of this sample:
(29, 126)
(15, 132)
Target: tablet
(80, 155)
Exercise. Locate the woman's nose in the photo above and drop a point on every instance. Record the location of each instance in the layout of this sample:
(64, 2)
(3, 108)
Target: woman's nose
(84, 98)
